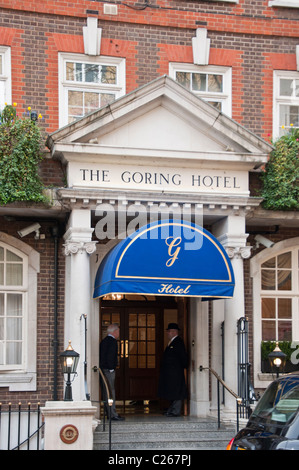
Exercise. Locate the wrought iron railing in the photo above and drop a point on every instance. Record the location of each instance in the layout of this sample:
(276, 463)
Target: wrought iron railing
(108, 400)
(21, 427)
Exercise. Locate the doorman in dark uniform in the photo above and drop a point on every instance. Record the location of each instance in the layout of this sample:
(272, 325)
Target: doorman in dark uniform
(172, 385)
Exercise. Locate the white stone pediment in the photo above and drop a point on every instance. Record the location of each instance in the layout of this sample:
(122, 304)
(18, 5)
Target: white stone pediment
(161, 120)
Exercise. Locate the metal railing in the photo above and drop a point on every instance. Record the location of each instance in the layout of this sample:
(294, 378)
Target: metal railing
(109, 401)
(239, 400)
(20, 427)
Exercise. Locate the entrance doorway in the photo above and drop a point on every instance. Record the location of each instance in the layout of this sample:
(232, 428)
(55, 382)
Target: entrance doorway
(143, 322)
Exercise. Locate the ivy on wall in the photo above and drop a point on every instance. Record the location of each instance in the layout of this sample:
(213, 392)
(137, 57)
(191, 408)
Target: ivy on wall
(281, 176)
(20, 153)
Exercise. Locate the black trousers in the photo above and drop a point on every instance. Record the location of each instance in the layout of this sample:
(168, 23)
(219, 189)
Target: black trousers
(175, 407)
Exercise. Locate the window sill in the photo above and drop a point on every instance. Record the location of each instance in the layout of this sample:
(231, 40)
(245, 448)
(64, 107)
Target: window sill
(18, 381)
(282, 3)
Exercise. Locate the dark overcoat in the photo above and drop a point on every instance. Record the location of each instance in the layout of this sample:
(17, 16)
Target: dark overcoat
(172, 385)
(108, 353)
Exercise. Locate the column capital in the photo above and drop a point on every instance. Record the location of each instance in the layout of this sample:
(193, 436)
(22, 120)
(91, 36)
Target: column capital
(74, 247)
(243, 252)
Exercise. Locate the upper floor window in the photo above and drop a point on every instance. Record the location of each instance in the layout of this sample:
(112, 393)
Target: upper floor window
(5, 76)
(284, 3)
(286, 102)
(211, 83)
(13, 290)
(87, 84)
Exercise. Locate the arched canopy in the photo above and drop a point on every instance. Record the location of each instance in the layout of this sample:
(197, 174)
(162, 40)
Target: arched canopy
(167, 257)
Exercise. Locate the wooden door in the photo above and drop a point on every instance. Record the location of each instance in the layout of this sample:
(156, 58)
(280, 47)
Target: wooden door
(139, 349)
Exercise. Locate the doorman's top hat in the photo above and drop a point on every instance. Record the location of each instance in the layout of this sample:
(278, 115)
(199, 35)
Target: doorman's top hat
(172, 326)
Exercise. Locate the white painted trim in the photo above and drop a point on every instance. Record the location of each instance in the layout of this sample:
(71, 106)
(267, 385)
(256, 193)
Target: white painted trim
(284, 3)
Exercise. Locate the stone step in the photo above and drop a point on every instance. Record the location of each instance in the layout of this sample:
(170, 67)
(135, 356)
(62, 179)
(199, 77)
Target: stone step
(156, 433)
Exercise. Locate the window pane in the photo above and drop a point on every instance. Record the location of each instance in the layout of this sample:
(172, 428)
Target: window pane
(1, 330)
(284, 261)
(1, 66)
(79, 72)
(284, 280)
(75, 104)
(14, 274)
(151, 347)
(1, 254)
(268, 308)
(270, 263)
(151, 334)
(1, 304)
(1, 274)
(216, 104)
(215, 83)
(268, 330)
(70, 71)
(284, 331)
(132, 319)
(14, 305)
(199, 82)
(10, 256)
(288, 115)
(108, 74)
(284, 308)
(91, 102)
(133, 334)
(286, 88)
(184, 79)
(14, 329)
(268, 279)
(13, 353)
(142, 319)
(91, 73)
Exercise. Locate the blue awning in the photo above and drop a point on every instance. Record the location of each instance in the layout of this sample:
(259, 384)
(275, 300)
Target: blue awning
(167, 257)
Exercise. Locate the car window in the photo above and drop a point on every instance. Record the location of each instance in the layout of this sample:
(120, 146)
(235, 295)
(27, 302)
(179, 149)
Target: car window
(279, 403)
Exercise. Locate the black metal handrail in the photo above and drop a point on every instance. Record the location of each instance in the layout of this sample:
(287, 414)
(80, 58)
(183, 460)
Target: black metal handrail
(109, 400)
(239, 400)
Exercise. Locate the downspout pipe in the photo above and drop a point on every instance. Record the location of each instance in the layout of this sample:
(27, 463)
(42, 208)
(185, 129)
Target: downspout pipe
(54, 233)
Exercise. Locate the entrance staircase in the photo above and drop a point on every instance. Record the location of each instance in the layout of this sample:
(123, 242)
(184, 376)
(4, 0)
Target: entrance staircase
(153, 432)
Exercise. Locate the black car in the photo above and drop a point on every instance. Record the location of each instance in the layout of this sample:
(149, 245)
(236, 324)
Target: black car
(274, 424)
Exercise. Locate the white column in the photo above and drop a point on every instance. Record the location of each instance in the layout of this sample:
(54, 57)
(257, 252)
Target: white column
(78, 289)
(199, 340)
(231, 233)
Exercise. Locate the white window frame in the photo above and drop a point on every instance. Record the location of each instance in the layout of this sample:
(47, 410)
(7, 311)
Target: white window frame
(284, 3)
(225, 97)
(5, 77)
(261, 380)
(278, 100)
(23, 377)
(64, 85)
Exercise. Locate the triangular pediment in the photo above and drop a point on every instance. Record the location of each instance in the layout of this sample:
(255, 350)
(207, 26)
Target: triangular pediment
(161, 118)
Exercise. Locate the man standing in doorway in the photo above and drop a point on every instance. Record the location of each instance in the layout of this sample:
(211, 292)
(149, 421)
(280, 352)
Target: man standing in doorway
(108, 364)
(172, 384)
